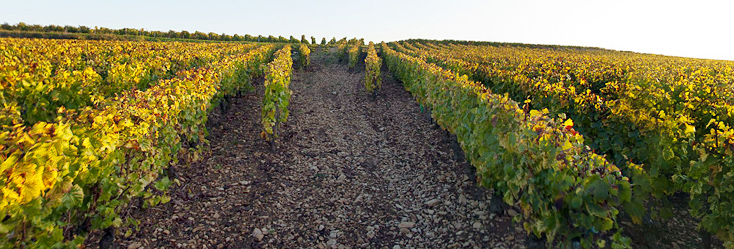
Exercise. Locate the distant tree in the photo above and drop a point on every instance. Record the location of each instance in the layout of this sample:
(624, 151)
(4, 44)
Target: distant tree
(292, 39)
(303, 39)
(184, 34)
(55, 28)
(199, 35)
(84, 29)
(124, 31)
(72, 29)
(313, 40)
(213, 36)
(36, 27)
(323, 41)
(22, 26)
(332, 41)
(157, 33)
(249, 38)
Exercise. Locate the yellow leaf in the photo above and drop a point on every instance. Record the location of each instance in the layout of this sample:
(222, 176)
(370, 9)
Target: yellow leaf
(9, 162)
(568, 122)
(690, 129)
(567, 145)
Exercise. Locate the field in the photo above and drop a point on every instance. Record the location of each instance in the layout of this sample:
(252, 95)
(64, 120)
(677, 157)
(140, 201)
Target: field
(343, 144)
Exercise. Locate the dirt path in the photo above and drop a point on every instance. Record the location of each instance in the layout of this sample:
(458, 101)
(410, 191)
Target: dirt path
(349, 172)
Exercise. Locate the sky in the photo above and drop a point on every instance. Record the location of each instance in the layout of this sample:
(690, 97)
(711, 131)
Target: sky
(699, 29)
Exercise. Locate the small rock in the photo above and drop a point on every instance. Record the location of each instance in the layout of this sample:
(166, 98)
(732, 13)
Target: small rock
(258, 234)
(406, 224)
(135, 245)
(462, 199)
(441, 178)
(331, 243)
(396, 247)
(370, 234)
(477, 225)
(433, 203)
(511, 212)
(265, 231)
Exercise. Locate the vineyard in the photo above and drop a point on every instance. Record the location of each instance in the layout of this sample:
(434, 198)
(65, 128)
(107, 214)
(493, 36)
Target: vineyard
(343, 144)
(665, 121)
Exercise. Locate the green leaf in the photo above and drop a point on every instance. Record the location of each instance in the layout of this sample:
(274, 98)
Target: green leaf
(4, 229)
(596, 210)
(634, 209)
(606, 224)
(74, 197)
(598, 188)
(576, 202)
(668, 153)
(162, 184)
(625, 192)
(117, 222)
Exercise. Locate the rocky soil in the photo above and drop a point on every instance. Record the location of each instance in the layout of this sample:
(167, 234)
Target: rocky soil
(347, 172)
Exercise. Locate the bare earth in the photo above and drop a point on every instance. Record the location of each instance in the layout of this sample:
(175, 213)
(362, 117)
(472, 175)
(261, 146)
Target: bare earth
(347, 172)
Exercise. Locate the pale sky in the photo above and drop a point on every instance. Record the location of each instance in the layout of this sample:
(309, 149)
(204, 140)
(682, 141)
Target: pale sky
(696, 28)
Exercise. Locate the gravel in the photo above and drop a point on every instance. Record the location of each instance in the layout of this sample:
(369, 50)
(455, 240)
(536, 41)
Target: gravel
(347, 172)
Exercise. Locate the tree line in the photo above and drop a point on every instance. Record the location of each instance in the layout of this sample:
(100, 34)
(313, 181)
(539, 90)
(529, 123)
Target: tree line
(58, 31)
